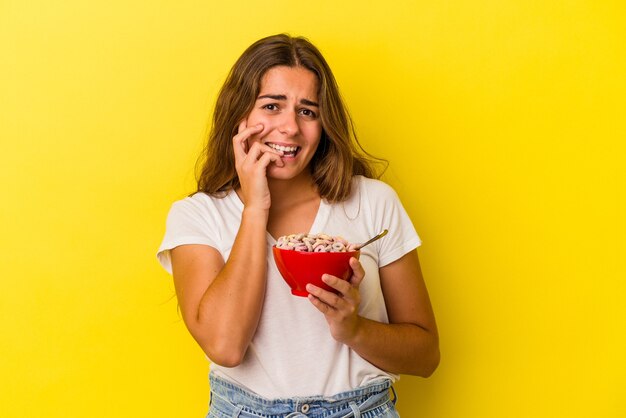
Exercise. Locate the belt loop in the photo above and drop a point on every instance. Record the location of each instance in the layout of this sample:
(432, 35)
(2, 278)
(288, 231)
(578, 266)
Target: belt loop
(355, 409)
(395, 395)
(237, 411)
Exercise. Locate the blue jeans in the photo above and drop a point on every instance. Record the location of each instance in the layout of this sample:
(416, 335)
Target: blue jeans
(229, 400)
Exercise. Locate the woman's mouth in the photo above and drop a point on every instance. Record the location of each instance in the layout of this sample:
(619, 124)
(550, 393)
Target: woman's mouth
(288, 151)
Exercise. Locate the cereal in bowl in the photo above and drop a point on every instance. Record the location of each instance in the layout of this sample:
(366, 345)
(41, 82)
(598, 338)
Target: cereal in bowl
(315, 243)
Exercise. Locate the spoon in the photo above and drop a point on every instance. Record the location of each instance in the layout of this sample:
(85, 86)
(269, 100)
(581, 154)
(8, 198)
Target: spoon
(377, 237)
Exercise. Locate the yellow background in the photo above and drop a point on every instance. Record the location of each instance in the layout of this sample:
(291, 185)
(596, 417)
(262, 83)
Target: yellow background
(503, 122)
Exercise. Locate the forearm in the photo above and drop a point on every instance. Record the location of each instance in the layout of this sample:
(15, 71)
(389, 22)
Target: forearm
(396, 348)
(409, 344)
(228, 313)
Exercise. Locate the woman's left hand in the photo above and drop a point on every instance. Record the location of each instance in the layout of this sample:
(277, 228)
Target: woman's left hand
(341, 310)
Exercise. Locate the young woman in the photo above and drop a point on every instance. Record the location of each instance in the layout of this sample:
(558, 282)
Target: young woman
(282, 158)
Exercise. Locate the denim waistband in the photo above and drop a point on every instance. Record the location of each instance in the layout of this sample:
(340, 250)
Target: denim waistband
(233, 400)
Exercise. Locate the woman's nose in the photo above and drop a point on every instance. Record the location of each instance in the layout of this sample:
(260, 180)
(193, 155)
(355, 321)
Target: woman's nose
(288, 124)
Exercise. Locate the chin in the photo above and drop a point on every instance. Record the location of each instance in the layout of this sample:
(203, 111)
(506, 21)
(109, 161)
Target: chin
(282, 173)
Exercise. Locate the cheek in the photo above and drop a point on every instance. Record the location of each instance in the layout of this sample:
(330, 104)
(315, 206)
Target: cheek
(314, 133)
(255, 119)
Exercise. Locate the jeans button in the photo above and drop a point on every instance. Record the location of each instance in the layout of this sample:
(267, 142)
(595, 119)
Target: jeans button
(305, 408)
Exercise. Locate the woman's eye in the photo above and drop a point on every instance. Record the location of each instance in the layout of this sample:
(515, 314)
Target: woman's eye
(271, 107)
(308, 113)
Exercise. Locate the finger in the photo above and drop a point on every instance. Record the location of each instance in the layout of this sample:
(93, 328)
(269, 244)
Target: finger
(321, 306)
(358, 273)
(243, 126)
(329, 298)
(244, 133)
(349, 294)
(257, 150)
(342, 286)
(240, 141)
(267, 158)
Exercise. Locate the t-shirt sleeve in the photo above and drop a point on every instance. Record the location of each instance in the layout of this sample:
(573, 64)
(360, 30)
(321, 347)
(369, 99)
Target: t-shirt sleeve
(188, 222)
(389, 214)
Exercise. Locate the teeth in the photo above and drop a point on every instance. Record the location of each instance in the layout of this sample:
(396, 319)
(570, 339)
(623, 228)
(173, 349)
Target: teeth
(282, 148)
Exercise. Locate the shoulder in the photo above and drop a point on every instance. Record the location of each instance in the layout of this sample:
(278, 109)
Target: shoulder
(373, 189)
(200, 201)
(200, 206)
(194, 204)
(372, 195)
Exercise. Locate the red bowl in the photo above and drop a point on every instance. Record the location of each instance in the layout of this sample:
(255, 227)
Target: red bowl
(299, 268)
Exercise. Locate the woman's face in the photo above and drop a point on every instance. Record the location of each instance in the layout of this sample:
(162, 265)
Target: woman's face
(287, 106)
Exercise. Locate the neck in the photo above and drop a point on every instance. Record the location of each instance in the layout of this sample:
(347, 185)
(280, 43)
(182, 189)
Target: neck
(287, 191)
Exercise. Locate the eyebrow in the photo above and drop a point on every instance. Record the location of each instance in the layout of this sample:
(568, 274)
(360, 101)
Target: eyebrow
(283, 97)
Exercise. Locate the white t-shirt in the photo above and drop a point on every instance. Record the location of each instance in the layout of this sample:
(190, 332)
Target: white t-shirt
(292, 353)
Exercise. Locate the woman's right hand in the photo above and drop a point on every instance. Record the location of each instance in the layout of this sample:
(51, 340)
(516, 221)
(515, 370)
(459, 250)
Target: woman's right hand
(221, 300)
(251, 162)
